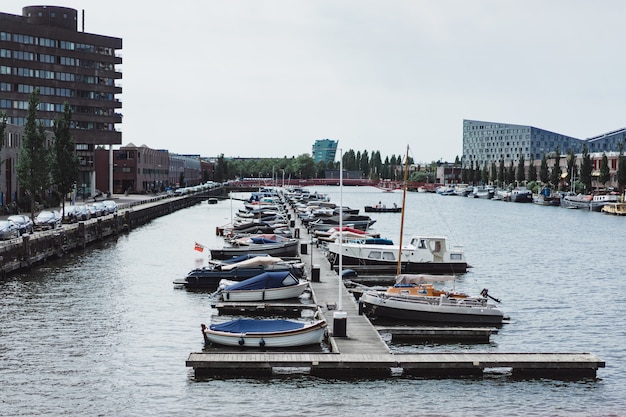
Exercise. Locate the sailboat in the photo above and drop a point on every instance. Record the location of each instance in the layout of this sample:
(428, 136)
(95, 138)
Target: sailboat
(415, 298)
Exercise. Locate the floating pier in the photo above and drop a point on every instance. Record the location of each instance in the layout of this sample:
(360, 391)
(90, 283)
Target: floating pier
(358, 350)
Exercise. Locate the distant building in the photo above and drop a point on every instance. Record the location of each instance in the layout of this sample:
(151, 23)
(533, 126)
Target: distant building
(325, 150)
(487, 142)
(43, 49)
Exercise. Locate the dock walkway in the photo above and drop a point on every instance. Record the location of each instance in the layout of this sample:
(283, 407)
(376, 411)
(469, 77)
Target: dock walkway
(357, 349)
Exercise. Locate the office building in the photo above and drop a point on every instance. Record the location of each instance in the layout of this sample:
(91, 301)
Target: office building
(43, 49)
(325, 150)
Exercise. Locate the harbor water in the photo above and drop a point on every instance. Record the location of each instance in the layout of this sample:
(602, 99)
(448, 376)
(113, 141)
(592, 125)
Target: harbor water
(105, 332)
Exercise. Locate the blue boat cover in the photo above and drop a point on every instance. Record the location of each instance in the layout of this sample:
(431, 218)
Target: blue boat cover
(262, 240)
(258, 326)
(265, 280)
(378, 241)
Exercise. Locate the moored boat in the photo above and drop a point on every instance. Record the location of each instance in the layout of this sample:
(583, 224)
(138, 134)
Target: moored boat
(265, 333)
(421, 302)
(209, 277)
(379, 208)
(272, 244)
(592, 202)
(424, 254)
(266, 286)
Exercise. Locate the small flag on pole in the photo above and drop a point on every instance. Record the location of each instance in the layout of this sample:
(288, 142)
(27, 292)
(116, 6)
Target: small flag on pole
(198, 247)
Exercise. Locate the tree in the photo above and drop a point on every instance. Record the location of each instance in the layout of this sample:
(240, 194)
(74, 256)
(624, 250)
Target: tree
(572, 170)
(585, 169)
(544, 177)
(501, 173)
(555, 176)
(621, 168)
(494, 172)
(532, 171)
(605, 174)
(65, 164)
(510, 174)
(33, 166)
(484, 176)
(520, 176)
(3, 126)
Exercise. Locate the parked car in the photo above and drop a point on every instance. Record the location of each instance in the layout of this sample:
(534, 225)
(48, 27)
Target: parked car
(96, 210)
(111, 206)
(8, 230)
(82, 213)
(101, 208)
(77, 213)
(23, 222)
(48, 219)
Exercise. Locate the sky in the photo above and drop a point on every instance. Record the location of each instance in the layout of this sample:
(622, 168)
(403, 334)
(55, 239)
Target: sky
(266, 78)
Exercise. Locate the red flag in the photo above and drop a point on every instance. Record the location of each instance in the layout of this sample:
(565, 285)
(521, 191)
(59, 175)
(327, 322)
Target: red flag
(198, 247)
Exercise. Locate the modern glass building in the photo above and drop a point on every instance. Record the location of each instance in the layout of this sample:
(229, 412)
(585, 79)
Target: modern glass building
(325, 150)
(487, 142)
(43, 49)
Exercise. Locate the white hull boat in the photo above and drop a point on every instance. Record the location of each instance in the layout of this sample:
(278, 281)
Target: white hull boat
(265, 333)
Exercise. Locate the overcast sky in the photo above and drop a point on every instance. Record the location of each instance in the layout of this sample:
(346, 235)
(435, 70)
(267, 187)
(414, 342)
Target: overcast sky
(267, 78)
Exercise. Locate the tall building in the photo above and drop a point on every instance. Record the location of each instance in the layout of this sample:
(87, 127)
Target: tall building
(325, 150)
(43, 49)
(487, 142)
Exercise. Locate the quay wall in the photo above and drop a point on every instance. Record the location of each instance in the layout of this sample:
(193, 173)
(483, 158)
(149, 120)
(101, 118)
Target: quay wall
(28, 250)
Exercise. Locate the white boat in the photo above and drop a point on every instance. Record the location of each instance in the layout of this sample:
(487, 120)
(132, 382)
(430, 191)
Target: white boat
(593, 202)
(424, 254)
(423, 303)
(265, 333)
(267, 286)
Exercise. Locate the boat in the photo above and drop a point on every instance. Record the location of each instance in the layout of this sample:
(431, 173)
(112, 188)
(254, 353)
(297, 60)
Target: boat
(381, 208)
(618, 209)
(482, 191)
(521, 195)
(420, 301)
(462, 190)
(356, 221)
(266, 286)
(591, 202)
(271, 244)
(265, 333)
(547, 198)
(209, 277)
(424, 254)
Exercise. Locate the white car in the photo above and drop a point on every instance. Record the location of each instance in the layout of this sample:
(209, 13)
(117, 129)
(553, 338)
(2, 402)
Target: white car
(111, 206)
(48, 219)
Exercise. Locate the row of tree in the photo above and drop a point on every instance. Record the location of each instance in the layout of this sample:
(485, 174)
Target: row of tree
(42, 166)
(304, 166)
(580, 178)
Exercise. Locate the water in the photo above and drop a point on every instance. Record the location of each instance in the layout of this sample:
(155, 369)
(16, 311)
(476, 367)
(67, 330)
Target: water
(104, 332)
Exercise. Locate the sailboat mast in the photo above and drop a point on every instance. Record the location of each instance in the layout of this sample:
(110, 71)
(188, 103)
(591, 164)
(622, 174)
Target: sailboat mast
(406, 172)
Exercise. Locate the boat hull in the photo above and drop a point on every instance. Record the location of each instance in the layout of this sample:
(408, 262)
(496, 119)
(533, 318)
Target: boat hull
(209, 279)
(425, 254)
(429, 311)
(372, 209)
(280, 250)
(310, 334)
(266, 294)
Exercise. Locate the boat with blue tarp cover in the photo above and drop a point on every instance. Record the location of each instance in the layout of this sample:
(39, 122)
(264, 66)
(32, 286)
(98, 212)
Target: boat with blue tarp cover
(266, 286)
(265, 333)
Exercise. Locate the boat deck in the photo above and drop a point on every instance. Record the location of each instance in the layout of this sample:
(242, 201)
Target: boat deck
(357, 349)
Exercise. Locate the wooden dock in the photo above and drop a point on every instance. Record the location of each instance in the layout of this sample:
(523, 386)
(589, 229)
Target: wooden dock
(357, 349)
(355, 365)
(439, 334)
